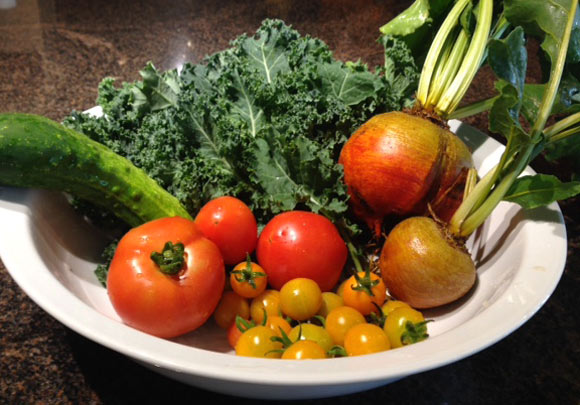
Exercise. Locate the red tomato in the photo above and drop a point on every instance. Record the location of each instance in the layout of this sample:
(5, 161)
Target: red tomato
(230, 224)
(165, 305)
(301, 244)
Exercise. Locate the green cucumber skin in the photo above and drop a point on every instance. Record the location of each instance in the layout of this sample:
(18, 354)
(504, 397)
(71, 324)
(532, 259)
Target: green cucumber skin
(36, 152)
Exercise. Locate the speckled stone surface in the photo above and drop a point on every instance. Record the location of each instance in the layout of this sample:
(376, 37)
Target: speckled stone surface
(53, 53)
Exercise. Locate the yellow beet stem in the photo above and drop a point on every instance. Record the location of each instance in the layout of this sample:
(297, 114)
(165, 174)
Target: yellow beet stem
(455, 92)
(436, 48)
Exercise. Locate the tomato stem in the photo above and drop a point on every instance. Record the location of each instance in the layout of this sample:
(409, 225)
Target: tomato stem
(171, 259)
(247, 274)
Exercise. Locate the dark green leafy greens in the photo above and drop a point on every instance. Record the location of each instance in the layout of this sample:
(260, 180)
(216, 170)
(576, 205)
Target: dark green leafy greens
(263, 120)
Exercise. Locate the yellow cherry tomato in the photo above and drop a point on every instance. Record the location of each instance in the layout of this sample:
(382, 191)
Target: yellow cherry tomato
(309, 331)
(230, 305)
(276, 323)
(340, 320)
(391, 305)
(269, 301)
(300, 298)
(365, 338)
(364, 291)
(330, 301)
(405, 326)
(304, 349)
(248, 279)
(257, 342)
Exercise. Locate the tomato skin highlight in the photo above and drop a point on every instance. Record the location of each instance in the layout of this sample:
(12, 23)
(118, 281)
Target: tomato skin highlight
(165, 305)
(301, 244)
(231, 225)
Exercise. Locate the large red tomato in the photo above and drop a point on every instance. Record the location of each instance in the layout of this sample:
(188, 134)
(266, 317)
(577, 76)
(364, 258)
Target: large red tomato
(166, 289)
(301, 244)
(231, 225)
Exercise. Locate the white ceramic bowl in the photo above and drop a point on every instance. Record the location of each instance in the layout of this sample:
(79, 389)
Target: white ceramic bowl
(51, 253)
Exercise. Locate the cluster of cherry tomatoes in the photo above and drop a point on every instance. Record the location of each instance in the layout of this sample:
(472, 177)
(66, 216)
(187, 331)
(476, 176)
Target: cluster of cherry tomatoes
(170, 275)
(300, 321)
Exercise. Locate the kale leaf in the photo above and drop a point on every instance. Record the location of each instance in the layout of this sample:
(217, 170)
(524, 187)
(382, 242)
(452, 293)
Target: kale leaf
(263, 120)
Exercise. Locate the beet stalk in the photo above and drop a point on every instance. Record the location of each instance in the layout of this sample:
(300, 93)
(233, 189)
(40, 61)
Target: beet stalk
(424, 261)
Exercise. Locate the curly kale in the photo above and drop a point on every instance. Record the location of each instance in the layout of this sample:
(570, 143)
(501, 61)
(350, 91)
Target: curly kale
(264, 120)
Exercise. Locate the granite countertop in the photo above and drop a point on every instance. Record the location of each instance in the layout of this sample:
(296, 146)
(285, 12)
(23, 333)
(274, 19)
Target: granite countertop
(53, 53)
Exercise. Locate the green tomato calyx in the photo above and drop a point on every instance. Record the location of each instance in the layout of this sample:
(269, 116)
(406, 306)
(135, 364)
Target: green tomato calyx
(171, 259)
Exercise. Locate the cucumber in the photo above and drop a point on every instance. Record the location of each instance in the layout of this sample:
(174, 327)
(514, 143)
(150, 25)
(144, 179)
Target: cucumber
(36, 152)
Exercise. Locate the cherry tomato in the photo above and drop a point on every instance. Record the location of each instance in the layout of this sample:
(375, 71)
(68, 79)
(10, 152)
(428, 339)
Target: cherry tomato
(233, 334)
(330, 301)
(357, 292)
(391, 305)
(309, 331)
(248, 279)
(365, 338)
(231, 225)
(301, 244)
(166, 289)
(257, 342)
(304, 349)
(230, 305)
(340, 288)
(405, 326)
(300, 298)
(340, 320)
(269, 301)
(276, 323)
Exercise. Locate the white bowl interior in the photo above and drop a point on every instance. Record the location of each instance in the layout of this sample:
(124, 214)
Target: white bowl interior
(52, 252)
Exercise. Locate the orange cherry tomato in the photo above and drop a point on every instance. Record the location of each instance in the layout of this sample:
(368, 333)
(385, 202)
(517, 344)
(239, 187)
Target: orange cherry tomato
(365, 338)
(304, 349)
(257, 342)
(340, 320)
(363, 291)
(277, 323)
(248, 279)
(230, 305)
